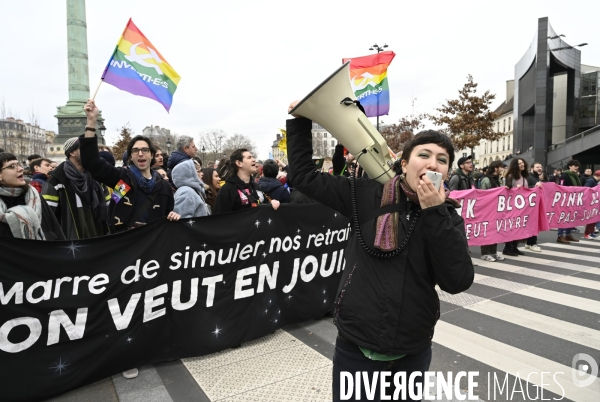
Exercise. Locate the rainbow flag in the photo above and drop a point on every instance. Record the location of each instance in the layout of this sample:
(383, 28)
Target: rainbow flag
(368, 76)
(138, 68)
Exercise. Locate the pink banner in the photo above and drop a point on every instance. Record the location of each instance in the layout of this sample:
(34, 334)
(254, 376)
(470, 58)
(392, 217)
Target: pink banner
(500, 215)
(567, 207)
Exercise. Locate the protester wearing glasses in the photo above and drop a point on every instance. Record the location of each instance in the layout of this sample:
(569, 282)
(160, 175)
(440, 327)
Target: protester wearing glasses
(141, 195)
(463, 176)
(23, 213)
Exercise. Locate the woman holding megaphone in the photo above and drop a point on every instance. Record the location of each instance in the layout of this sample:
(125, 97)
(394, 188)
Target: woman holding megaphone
(407, 238)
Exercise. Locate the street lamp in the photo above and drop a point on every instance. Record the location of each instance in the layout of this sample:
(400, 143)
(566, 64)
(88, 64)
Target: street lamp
(203, 150)
(556, 37)
(102, 131)
(379, 49)
(569, 47)
(168, 146)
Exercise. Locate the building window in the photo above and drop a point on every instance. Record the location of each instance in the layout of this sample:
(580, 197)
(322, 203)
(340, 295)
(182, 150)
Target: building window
(504, 126)
(464, 154)
(333, 143)
(509, 123)
(504, 143)
(498, 129)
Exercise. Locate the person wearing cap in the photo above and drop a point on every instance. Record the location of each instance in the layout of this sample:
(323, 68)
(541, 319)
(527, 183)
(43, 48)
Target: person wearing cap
(589, 228)
(78, 201)
(463, 176)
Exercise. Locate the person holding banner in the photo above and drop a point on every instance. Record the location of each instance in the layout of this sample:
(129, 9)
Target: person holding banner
(140, 194)
(24, 213)
(491, 180)
(569, 178)
(407, 238)
(589, 228)
(240, 191)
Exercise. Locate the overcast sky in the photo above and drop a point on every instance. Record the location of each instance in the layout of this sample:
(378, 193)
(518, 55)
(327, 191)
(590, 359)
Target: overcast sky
(242, 62)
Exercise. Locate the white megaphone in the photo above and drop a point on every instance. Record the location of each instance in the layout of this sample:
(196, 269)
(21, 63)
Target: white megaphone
(332, 106)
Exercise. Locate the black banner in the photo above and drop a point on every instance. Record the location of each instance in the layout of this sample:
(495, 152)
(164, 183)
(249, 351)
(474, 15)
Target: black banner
(72, 313)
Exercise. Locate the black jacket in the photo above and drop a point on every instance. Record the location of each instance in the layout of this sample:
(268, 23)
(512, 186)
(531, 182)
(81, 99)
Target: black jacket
(120, 213)
(274, 189)
(75, 221)
(229, 197)
(387, 305)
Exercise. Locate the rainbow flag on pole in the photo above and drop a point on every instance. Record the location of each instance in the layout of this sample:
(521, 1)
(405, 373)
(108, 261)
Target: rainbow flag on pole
(368, 76)
(138, 68)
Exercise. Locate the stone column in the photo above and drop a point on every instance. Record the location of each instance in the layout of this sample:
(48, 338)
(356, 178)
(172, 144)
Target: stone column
(71, 117)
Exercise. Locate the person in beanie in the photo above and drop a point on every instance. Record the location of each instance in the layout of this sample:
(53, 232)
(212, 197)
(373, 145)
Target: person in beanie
(77, 200)
(462, 179)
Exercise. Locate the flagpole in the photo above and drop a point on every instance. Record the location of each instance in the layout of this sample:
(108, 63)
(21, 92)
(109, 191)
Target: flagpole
(97, 88)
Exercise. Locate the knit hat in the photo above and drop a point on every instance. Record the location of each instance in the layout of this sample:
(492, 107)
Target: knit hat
(464, 159)
(597, 173)
(71, 145)
(107, 156)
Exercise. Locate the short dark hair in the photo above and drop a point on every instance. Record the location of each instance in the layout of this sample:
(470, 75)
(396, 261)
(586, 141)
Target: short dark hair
(37, 162)
(429, 137)
(7, 157)
(197, 159)
(493, 166)
(141, 138)
(270, 168)
(33, 157)
(236, 156)
(573, 162)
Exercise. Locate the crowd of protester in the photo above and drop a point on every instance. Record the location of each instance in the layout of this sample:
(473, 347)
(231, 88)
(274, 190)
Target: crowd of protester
(88, 196)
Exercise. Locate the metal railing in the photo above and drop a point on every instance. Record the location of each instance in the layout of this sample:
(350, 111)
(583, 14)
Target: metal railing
(573, 138)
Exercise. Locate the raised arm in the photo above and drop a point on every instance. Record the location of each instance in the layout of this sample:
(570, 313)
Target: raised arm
(333, 191)
(100, 169)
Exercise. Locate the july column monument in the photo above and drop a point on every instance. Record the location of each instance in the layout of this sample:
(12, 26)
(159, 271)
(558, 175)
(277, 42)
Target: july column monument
(71, 117)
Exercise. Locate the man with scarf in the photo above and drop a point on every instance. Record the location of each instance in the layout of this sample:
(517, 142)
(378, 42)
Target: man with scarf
(140, 194)
(569, 178)
(77, 200)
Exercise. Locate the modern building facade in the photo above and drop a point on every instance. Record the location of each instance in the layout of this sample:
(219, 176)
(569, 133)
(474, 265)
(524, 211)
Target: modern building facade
(547, 94)
(323, 142)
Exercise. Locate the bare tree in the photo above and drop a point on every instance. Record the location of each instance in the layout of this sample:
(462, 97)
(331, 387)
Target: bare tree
(120, 146)
(238, 141)
(214, 144)
(397, 135)
(468, 119)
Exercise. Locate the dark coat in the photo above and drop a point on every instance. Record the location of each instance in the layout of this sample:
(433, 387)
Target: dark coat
(176, 158)
(387, 305)
(75, 221)
(460, 181)
(120, 213)
(229, 198)
(274, 189)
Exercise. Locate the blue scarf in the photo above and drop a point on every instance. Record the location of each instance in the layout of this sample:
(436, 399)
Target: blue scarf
(146, 185)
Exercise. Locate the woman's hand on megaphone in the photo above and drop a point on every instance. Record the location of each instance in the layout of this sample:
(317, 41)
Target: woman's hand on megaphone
(292, 106)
